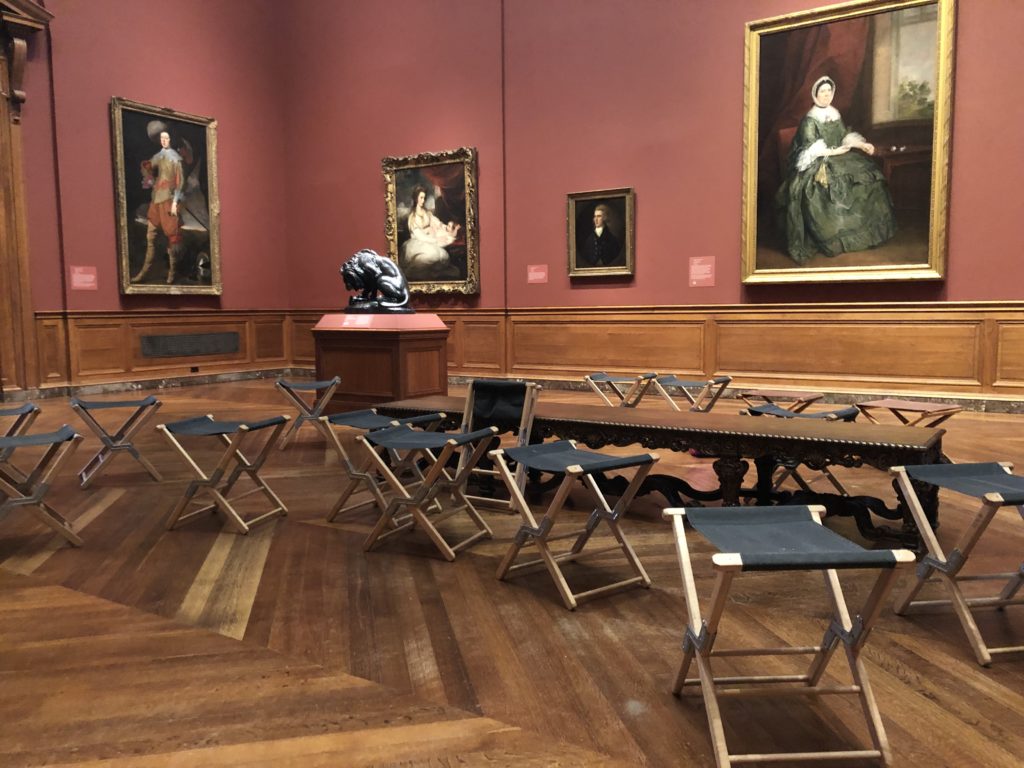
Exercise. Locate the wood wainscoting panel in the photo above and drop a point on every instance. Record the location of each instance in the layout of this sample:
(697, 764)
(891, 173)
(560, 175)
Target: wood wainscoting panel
(98, 348)
(574, 344)
(1009, 366)
(956, 349)
(107, 347)
(302, 351)
(269, 339)
(936, 355)
(52, 348)
(483, 346)
(476, 342)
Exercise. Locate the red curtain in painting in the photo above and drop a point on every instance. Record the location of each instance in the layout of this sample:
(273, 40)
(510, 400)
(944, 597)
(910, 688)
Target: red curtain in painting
(839, 50)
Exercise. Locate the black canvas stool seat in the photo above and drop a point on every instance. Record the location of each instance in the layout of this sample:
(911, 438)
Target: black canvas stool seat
(18, 489)
(308, 412)
(22, 417)
(627, 390)
(790, 469)
(997, 489)
(229, 468)
(120, 439)
(564, 458)
(361, 473)
(700, 394)
(509, 406)
(418, 505)
(783, 538)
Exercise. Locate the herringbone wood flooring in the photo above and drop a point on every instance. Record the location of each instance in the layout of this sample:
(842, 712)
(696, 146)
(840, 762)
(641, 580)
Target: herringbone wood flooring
(330, 656)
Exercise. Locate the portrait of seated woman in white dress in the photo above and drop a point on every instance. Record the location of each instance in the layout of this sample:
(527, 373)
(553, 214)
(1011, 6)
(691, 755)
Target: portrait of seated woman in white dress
(423, 255)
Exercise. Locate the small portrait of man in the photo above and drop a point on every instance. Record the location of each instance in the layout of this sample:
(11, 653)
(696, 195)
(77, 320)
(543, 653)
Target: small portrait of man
(601, 248)
(600, 241)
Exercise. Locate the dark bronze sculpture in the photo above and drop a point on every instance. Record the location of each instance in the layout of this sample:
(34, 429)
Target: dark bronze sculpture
(371, 274)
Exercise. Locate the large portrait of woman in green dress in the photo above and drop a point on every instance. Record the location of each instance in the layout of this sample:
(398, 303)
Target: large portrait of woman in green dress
(846, 157)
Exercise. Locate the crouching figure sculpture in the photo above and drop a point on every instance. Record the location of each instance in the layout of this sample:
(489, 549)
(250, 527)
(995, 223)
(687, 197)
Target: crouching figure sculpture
(381, 285)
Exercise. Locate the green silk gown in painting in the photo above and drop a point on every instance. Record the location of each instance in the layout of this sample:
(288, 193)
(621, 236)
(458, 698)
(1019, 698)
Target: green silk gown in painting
(831, 205)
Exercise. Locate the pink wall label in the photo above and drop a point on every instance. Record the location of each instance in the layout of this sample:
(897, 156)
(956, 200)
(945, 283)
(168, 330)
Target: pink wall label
(702, 271)
(84, 279)
(537, 273)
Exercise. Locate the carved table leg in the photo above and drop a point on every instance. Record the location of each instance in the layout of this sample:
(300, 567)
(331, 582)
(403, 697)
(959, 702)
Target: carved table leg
(730, 471)
(765, 473)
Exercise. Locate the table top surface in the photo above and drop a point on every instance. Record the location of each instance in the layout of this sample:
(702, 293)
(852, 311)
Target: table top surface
(687, 422)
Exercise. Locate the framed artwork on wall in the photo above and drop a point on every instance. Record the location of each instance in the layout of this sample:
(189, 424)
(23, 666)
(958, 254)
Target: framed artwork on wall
(166, 201)
(600, 233)
(846, 143)
(431, 222)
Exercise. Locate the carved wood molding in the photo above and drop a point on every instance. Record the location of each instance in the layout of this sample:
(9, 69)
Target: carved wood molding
(19, 20)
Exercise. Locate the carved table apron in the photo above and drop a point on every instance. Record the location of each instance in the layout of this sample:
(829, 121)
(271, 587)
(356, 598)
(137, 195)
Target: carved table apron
(731, 438)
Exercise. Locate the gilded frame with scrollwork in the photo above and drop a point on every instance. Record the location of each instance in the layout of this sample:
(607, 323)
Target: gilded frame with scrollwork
(180, 253)
(431, 220)
(897, 56)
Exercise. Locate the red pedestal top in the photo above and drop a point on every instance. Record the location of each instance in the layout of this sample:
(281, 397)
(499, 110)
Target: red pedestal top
(420, 321)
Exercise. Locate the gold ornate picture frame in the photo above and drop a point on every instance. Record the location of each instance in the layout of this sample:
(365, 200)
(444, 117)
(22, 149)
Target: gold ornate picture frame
(600, 233)
(847, 122)
(166, 200)
(431, 223)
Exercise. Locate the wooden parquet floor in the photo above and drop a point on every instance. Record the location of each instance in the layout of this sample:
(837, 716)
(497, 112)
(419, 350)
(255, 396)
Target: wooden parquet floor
(291, 646)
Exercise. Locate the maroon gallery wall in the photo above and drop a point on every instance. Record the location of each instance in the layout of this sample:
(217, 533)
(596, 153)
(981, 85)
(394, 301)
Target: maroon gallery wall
(557, 97)
(602, 94)
(370, 80)
(196, 56)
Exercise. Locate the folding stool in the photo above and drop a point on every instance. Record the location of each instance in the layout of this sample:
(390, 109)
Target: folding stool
(308, 412)
(791, 400)
(410, 507)
(783, 538)
(233, 434)
(24, 415)
(707, 392)
(847, 414)
(562, 457)
(629, 390)
(18, 489)
(121, 440)
(367, 421)
(997, 488)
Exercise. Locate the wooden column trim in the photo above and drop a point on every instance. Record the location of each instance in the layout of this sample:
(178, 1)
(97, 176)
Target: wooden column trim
(19, 364)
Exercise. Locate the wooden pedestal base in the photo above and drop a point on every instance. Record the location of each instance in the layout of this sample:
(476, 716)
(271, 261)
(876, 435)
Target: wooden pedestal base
(381, 357)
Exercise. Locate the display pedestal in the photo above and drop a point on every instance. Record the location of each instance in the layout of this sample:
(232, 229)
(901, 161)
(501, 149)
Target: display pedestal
(381, 357)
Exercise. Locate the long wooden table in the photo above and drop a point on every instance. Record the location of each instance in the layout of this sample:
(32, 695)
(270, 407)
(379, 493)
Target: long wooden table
(730, 438)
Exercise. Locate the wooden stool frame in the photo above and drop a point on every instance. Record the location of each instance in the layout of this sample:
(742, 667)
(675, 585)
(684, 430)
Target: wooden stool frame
(362, 474)
(796, 402)
(215, 485)
(945, 568)
(118, 442)
(25, 415)
(407, 509)
(538, 533)
(851, 631)
(19, 489)
(628, 397)
(927, 414)
(708, 392)
(308, 413)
